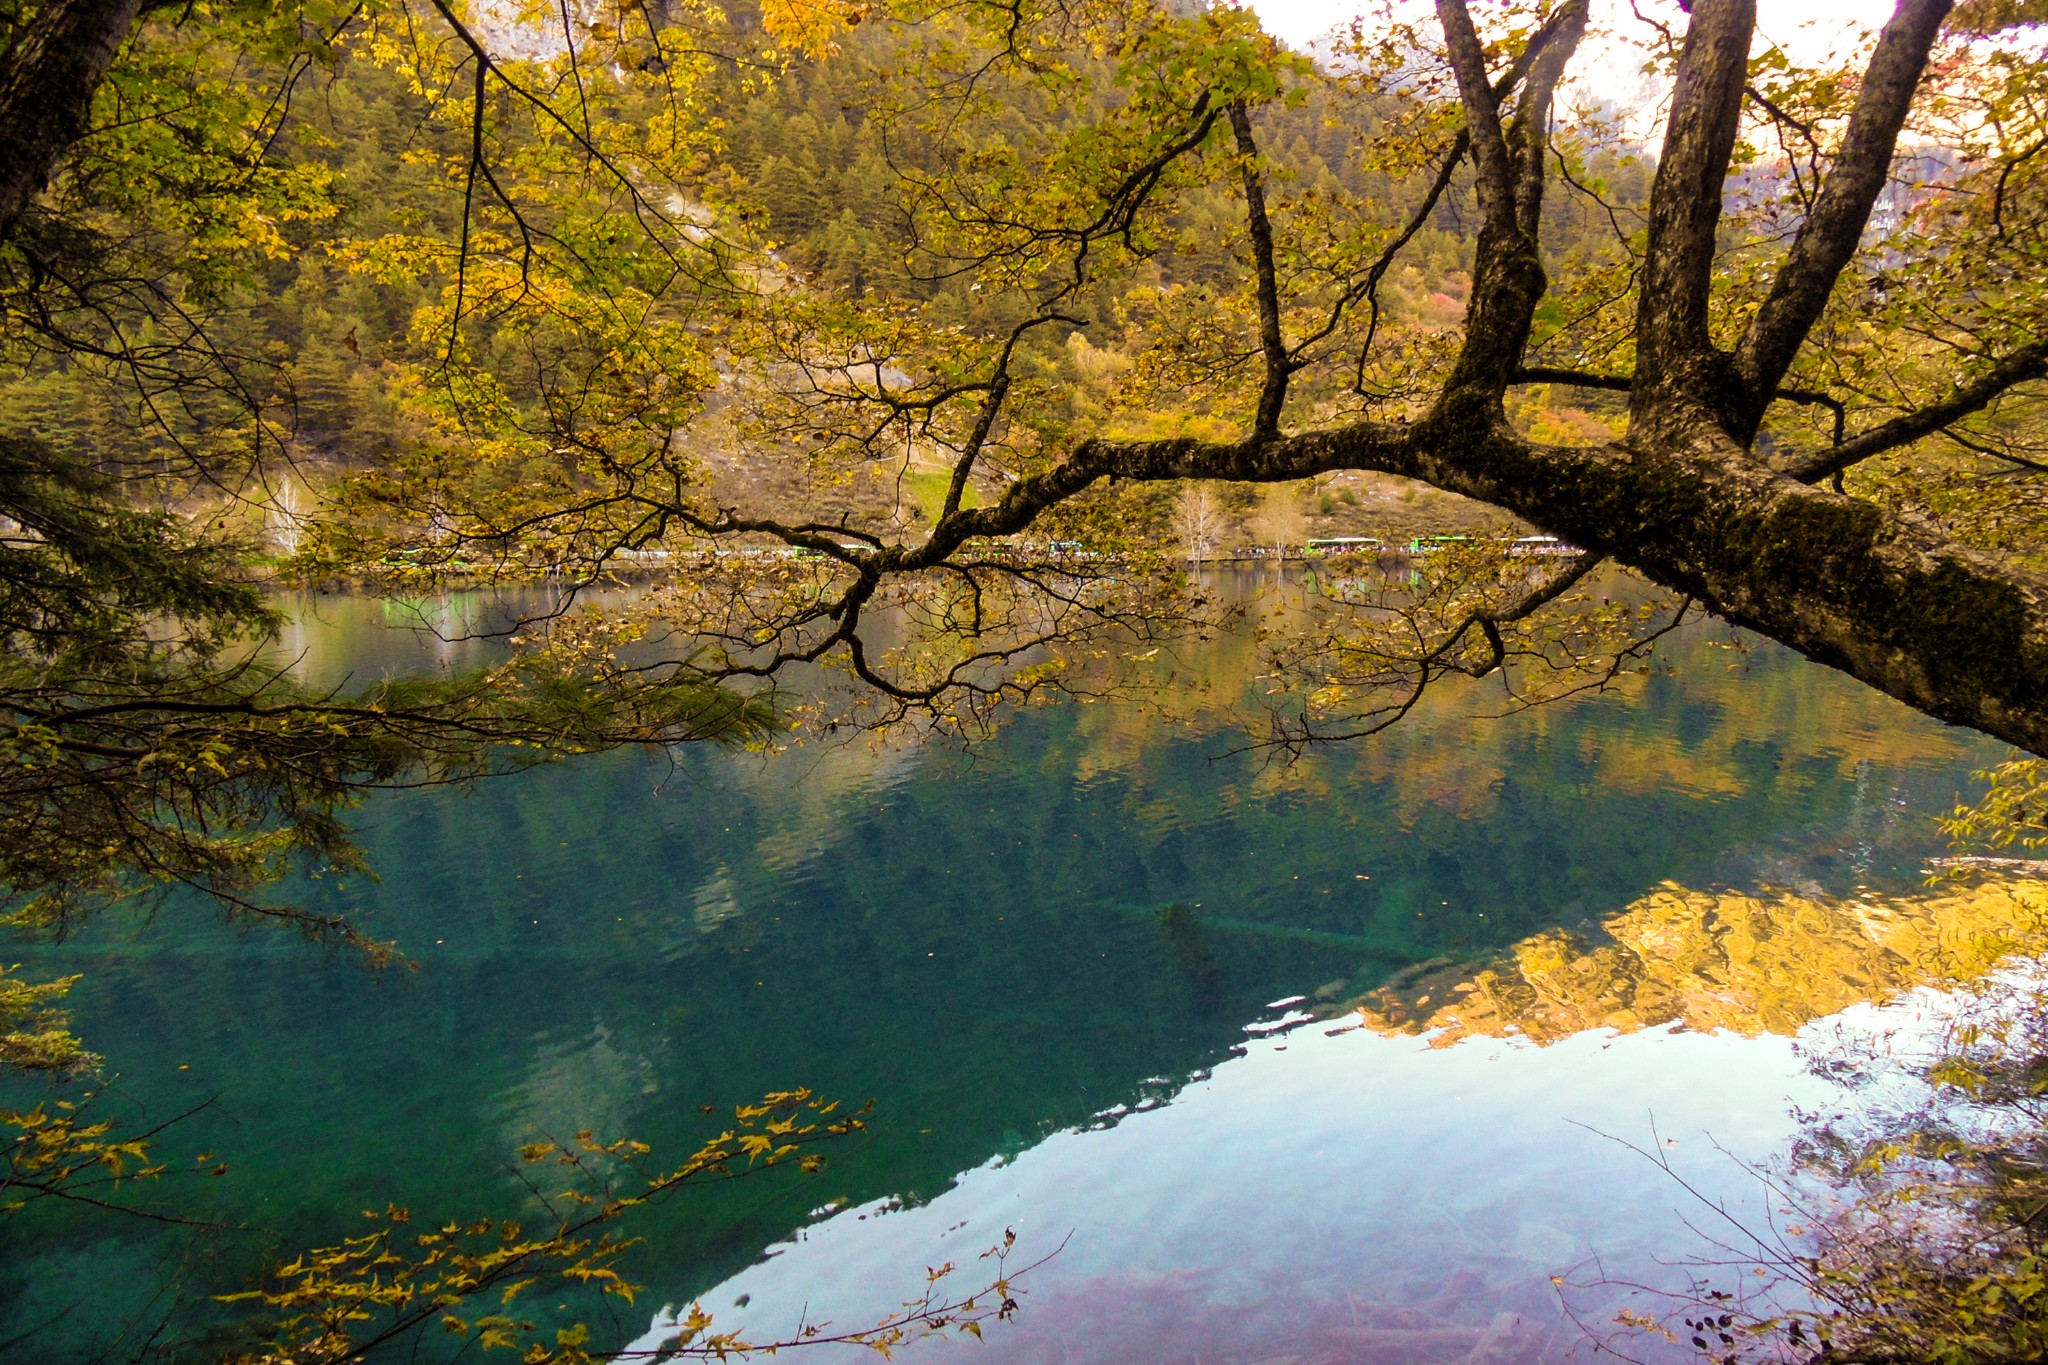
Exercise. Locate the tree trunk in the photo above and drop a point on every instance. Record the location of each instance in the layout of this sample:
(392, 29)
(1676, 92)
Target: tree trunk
(48, 78)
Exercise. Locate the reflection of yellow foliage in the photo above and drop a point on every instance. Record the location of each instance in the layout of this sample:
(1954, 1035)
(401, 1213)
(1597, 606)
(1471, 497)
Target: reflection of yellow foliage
(1452, 754)
(1751, 964)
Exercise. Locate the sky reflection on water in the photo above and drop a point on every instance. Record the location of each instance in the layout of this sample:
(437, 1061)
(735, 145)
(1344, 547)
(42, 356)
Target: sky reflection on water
(1333, 1196)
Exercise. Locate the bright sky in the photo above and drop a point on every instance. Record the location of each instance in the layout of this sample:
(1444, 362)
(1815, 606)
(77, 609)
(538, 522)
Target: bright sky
(1807, 29)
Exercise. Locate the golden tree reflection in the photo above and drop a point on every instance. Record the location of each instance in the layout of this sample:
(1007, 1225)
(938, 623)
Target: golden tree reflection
(1748, 963)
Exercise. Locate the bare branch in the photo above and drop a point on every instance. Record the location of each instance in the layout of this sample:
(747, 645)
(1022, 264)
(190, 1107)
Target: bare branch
(991, 405)
(1368, 288)
(2027, 363)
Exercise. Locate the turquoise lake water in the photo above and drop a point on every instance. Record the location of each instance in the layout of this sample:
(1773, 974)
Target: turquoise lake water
(974, 940)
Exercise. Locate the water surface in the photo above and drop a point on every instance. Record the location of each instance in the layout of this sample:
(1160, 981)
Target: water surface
(1041, 958)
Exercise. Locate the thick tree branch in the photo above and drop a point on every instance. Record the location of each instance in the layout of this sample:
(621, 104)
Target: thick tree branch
(1507, 270)
(1583, 379)
(1508, 280)
(1363, 446)
(1622, 383)
(1507, 276)
(1830, 234)
(1675, 358)
(1960, 635)
(1367, 288)
(1529, 135)
(1280, 363)
(1482, 110)
(48, 78)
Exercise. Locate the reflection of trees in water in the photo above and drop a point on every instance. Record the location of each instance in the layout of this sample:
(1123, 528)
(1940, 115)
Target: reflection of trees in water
(842, 908)
(1909, 1225)
(1912, 1223)
(1829, 773)
(1768, 963)
(1193, 958)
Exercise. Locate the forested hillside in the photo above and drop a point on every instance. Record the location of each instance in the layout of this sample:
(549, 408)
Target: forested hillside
(808, 168)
